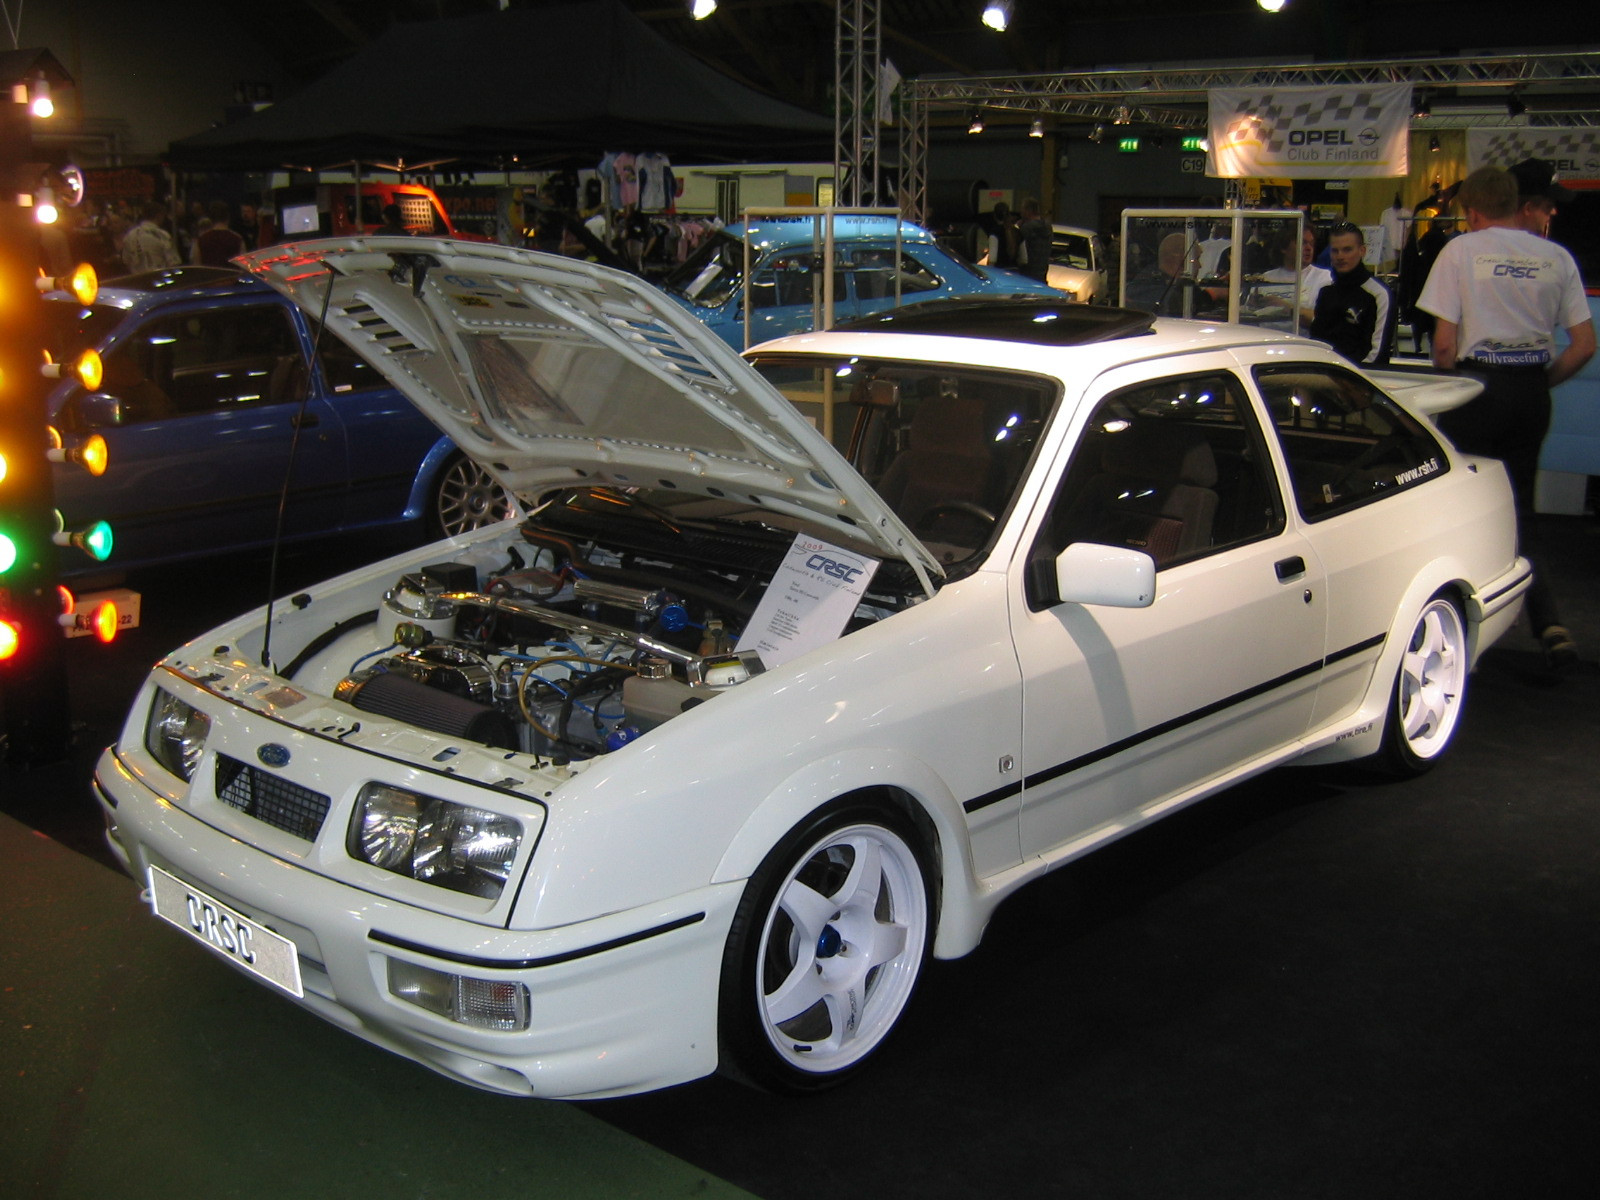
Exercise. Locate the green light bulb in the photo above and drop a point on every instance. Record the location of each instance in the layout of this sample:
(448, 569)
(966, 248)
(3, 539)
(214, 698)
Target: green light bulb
(97, 541)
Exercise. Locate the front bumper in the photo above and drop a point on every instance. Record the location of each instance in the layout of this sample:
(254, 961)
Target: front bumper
(622, 1003)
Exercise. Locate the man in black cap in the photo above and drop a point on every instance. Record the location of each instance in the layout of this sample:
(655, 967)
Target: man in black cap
(1538, 193)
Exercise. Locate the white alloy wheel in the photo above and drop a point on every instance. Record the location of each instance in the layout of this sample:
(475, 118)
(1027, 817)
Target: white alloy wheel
(828, 951)
(1429, 689)
(466, 498)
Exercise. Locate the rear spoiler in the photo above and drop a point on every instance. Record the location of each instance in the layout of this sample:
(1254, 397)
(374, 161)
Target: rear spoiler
(1425, 390)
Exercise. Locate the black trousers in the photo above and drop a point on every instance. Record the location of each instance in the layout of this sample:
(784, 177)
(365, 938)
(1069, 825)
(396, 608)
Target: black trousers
(1508, 421)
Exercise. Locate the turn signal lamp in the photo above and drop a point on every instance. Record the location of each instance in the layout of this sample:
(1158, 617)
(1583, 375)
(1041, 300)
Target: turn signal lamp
(91, 454)
(94, 541)
(83, 283)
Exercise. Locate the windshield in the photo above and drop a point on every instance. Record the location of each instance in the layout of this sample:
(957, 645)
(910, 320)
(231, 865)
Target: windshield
(70, 328)
(711, 274)
(945, 446)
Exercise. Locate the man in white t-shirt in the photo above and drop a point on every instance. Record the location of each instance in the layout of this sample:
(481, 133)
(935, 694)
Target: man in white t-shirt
(1500, 295)
(1304, 279)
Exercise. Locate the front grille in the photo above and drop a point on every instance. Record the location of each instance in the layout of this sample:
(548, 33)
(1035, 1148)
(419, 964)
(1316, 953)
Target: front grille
(270, 798)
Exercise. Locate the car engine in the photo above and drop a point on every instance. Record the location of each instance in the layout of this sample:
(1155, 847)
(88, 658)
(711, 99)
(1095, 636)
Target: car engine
(607, 617)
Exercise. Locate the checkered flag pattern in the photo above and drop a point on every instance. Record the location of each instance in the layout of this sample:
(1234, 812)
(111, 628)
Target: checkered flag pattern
(1330, 108)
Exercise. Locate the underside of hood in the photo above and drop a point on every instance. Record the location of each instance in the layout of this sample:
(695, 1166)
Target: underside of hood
(554, 373)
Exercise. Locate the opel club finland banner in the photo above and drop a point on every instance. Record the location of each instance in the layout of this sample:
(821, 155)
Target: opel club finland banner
(1353, 132)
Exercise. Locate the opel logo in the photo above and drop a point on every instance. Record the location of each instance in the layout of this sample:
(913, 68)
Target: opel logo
(273, 755)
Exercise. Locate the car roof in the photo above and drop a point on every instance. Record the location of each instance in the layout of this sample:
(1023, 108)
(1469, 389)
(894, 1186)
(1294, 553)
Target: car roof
(1030, 334)
(771, 232)
(1031, 320)
(148, 287)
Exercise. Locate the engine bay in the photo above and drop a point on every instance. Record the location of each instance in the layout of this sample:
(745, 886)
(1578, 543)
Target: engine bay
(608, 613)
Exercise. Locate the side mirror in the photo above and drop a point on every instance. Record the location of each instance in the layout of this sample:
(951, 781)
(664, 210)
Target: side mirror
(96, 410)
(1088, 573)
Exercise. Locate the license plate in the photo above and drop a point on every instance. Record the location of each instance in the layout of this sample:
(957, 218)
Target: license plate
(231, 934)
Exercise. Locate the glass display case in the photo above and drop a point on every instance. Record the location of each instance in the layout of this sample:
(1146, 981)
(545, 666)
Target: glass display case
(1242, 265)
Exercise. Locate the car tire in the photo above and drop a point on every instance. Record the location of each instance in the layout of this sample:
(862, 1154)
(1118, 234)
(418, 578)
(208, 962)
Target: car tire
(465, 497)
(1430, 689)
(825, 950)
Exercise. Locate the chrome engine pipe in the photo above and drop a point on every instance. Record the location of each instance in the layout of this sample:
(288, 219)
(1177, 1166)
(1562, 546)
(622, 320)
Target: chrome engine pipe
(692, 664)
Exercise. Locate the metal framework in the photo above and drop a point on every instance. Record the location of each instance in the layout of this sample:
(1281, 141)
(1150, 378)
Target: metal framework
(1557, 89)
(857, 40)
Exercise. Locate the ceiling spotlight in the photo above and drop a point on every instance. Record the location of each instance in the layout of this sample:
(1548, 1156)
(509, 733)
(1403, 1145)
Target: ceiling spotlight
(1514, 105)
(1098, 133)
(1124, 115)
(977, 123)
(1433, 143)
(1037, 128)
(1272, 5)
(1423, 108)
(997, 15)
(701, 9)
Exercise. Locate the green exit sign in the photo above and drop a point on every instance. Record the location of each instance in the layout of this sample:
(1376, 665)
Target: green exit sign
(1128, 145)
(1194, 143)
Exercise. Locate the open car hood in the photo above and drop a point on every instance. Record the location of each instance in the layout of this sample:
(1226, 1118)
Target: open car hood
(553, 372)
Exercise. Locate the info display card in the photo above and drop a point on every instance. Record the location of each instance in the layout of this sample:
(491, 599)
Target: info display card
(808, 602)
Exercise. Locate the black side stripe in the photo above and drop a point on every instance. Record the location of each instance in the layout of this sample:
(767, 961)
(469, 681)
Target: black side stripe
(1515, 583)
(523, 964)
(994, 797)
(1155, 731)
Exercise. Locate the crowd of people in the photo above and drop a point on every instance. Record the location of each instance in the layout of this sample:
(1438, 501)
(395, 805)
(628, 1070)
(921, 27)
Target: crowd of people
(128, 236)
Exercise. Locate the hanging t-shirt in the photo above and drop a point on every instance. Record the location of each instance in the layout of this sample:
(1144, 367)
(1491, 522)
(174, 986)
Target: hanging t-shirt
(1507, 291)
(606, 172)
(655, 170)
(1395, 229)
(627, 180)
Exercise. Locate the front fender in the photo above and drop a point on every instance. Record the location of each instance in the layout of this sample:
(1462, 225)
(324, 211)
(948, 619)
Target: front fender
(868, 770)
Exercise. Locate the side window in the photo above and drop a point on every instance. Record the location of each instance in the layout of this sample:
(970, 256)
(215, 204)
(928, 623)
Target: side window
(198, 362)
(1346, 443)
(1175, 468)
(874, 273)
(344, 369)
(787, 278)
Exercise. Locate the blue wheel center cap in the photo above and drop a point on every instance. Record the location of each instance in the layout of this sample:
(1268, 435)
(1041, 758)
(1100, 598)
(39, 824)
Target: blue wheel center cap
(829, 942)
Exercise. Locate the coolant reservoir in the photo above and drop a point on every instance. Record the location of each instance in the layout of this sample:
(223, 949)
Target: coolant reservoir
(649, 701)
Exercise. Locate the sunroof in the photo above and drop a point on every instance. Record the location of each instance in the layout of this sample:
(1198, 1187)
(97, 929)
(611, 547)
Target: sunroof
(1021, 319)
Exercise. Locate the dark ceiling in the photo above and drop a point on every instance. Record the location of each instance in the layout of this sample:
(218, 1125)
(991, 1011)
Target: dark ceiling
(786, 47)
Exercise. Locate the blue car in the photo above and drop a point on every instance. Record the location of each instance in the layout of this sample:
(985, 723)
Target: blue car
(204, 373)
(786, 282)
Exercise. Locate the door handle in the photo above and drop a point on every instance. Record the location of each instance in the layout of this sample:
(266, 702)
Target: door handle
(1288, 568)
(306, 421)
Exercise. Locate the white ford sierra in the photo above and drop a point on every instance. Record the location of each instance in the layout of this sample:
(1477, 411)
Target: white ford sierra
(789, 670)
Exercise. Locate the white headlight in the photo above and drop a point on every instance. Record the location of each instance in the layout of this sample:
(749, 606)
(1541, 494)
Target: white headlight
(176, 734)
(452, 845)
(386, 832)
